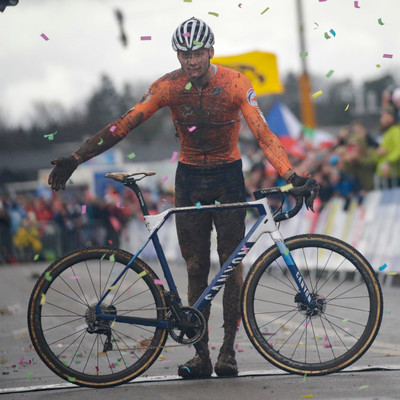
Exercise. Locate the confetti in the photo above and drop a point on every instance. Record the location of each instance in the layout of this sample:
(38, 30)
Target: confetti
(132, 155)
(42, 299)
(392, 273)
(378, 65)
(317, 25)
(198, 204)
(113, 324)
(213, 13)
(142, 274)
(44, 36)
(187, 1)
(112, 258)
(240, 350)
(356, 4)
(329, 74)
(213, 347)
(70, 181)
(304, 54)
(197, 43)
(327, 36)
(174, 155)
(240, 5)
(48, 276)
(74, 277)
(265, 10)
(345, 320)
(187, 34)
(102, 257)
(83, 208)
(71, 379)
(186, 367)
(333, 32)
(21, 361)
(286, 252)
(380, 21)
(188, 86)
(307, 396)
(164, 179)
(145, 37)
(217, 203)
(112, 129)
(388, 56)
(50, 136)
(119, 205)
(304, 378)
(192, 128)
(112, 287)
(110, 242)
(347, 107)
(363, 387)
(30, 375)
(101, 142)
(35, 257)
(327, 345)
(158, 282)
(316, 94)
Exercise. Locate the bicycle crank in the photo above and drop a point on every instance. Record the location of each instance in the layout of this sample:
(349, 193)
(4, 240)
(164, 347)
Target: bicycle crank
(188, 327)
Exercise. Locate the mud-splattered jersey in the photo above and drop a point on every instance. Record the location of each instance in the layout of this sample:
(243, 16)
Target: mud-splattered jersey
(208, 121)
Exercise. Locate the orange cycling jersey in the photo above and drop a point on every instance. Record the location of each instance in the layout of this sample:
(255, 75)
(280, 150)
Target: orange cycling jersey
(207, 121)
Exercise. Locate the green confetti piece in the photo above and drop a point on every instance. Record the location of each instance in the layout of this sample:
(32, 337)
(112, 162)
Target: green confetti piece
(48, 276)
(50, 136)
(35, 257)
(380, 21)
(71, 379)
(197, 43)
(188, 86)
(70, 182)
(213, 13)
(30, 375)
(132, 155)
(112, 257)
(329, 74)
(286, 252)
(142, 274)
(102, 257)
(345, 320)
(217, 202)
(327, 36)
(304, 378)
(265, 10)
(363, 387)
(101, 141)
(304, 54)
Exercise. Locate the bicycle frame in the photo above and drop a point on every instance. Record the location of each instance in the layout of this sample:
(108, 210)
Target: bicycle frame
(264, 224)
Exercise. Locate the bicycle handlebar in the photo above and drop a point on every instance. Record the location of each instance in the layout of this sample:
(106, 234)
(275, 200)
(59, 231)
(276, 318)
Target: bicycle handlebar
(297, 192)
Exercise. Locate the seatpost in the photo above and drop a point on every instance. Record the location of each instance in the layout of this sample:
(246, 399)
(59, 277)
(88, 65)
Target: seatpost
(134, 186)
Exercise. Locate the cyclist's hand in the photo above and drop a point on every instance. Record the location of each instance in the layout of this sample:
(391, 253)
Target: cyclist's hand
(64, 167)
(309, 197)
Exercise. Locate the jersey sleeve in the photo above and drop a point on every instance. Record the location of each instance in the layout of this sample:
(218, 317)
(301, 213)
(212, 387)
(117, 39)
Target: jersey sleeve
(269, 143)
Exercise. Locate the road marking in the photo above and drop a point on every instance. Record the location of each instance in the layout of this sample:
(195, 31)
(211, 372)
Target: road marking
(169, 378)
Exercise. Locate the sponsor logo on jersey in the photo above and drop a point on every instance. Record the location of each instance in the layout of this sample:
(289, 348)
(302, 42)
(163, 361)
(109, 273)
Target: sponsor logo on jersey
(251, 97)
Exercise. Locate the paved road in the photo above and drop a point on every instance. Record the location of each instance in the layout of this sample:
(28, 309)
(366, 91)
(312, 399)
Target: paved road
(374, 376)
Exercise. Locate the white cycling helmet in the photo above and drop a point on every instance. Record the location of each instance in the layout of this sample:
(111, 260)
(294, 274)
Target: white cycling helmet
(192, 34)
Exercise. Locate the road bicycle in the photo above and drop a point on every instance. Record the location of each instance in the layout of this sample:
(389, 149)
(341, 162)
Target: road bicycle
(311, 304)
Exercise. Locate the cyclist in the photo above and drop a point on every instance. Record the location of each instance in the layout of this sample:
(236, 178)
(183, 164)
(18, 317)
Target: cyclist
(207, 103)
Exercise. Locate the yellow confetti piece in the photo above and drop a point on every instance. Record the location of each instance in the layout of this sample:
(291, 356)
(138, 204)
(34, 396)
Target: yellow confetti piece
(142, 274)
(265, 10)
(392, 273)
(307, 396)
(112, 257)
(43, 299)
(112, 287)
(286, 188)
(316, 94)
(132, 155)
(113, 324)
(378, 65)
(213, 13)
(347, 107)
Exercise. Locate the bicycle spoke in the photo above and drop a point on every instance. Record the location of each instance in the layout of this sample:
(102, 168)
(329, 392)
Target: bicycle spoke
(64, 323)
(91, 280)
(72, 298)
(80, 287)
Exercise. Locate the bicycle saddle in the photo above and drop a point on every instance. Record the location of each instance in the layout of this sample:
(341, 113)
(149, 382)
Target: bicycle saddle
(123, 176)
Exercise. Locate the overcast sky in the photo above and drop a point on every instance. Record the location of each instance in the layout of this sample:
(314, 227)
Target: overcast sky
(84, 42)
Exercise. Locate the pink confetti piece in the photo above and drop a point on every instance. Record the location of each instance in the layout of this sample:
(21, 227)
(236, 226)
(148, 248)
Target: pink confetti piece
(83, 208)
(110, 242)
(192, 128)
(236, 346)
(240, 350)
(44, 36)
(325, 337)
(21, 361)
(145, 37)
(118, 204)
(388, 56)
(74, 277)
(327, 345)
(158, 282)
(213, 347)
(356, 4)
(174, 156)
(187, 34)
(164, 179)
(112, 129)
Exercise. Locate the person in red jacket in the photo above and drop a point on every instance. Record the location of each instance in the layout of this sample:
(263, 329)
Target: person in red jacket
(207, 104)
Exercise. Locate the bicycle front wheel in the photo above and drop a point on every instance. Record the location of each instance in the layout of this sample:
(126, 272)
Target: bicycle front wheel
(296, 338)
(62, 317)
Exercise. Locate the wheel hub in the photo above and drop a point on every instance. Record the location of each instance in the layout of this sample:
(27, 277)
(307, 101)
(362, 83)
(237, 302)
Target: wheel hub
(310, 311)
(95, 324)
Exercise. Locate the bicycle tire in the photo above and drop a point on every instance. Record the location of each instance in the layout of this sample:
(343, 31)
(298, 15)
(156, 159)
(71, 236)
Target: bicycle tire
(340, 333)
(61, 307)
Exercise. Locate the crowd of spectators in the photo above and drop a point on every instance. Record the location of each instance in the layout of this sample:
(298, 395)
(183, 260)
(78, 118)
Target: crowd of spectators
(45, 224)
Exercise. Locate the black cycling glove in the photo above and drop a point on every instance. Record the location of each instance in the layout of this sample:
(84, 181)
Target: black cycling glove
(64, 167)
(309, 198)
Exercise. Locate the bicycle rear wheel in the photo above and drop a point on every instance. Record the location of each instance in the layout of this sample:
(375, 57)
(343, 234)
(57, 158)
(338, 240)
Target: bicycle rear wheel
(62, 306)
(284, 330)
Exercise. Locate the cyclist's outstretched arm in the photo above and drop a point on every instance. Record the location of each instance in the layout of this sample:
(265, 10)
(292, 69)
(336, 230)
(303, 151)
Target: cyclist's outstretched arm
(154, 99)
